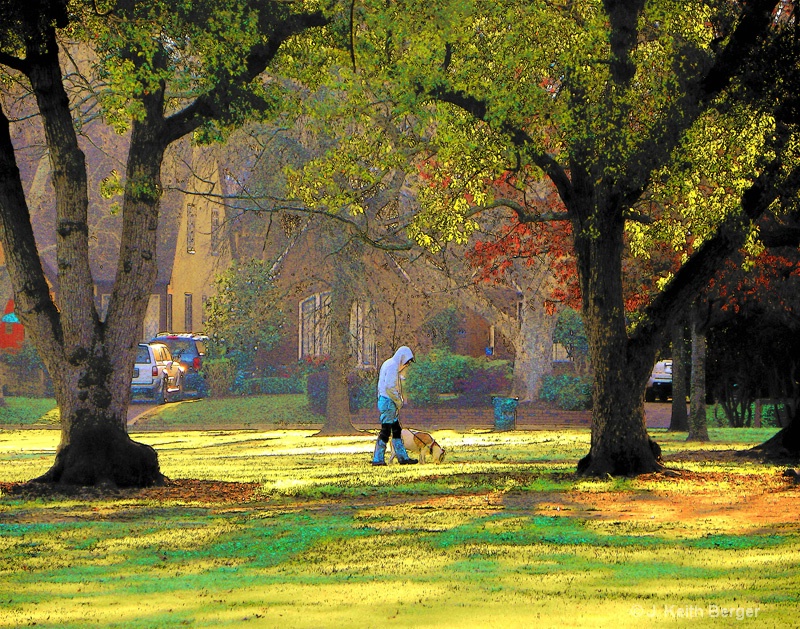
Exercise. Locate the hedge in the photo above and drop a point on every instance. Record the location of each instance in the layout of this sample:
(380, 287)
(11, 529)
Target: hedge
(570, 393)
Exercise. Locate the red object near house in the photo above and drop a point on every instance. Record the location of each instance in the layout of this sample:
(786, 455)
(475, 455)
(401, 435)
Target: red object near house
(12, 334)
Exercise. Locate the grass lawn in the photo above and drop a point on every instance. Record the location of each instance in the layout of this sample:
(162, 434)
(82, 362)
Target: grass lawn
(241, 412)
(305, 533)
(23, 411)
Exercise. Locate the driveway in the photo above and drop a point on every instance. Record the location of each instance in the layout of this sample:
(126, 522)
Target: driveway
(658, 414)
(137, 409)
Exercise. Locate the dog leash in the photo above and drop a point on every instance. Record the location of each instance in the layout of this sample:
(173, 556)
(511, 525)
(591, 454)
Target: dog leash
(422, 443)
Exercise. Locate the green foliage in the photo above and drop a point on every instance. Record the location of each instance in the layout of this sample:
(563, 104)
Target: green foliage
(244, 315)
(270, 385)
(433, 374)
(440, 372)
(26, 359)
(571, 333)
(571, 393)
(220, 374)
(26, 371)
(442, 328)
(192, 48)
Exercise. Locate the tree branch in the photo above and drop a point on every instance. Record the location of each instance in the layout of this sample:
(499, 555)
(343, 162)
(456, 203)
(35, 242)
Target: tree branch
(479, 110)
(13, 62)
(31, 292)
(745, 39)
(210, 105)
(695, 274)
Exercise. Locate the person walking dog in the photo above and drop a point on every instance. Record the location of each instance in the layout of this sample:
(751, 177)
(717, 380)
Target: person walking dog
(390, 401)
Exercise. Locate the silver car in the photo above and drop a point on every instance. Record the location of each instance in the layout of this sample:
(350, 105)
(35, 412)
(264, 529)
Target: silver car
(659, 385)
(156, 376)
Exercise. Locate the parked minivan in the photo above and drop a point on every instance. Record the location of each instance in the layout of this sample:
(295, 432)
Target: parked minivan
(156, 375)
(190, 350)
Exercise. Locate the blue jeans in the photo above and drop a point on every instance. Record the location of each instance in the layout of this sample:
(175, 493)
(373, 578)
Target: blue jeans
(390, 424)
(388, 410)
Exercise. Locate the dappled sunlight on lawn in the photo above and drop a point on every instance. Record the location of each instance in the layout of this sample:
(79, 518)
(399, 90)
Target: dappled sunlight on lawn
(502, 533)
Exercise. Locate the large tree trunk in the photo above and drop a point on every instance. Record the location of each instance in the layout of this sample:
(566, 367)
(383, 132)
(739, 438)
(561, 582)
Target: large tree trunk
(679, 420)
(533, 350)
(784, 446)
(90, 362)
(94, 392)
(698, 424)
(337, 411)
(620, 444)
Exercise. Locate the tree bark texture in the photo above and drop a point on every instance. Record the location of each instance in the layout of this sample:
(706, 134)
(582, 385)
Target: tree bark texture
(698, 424)
(784, 446)
(533, 349)
(679, 420)
(620, 444)
(337, 410)
(90, 362)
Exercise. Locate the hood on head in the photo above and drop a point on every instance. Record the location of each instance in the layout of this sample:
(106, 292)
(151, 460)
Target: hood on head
(403, 355)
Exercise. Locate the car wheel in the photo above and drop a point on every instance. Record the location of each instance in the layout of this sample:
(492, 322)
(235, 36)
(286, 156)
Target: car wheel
(649, 396)
(161, 394)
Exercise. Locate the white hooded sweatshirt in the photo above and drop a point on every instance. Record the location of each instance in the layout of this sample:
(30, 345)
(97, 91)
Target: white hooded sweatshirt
(389, 379)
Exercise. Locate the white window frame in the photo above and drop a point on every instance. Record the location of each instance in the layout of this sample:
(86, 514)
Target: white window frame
(363, 335)
(314, 333)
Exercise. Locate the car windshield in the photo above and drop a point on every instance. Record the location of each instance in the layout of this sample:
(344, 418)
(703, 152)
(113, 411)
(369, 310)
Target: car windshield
(179, 347)
(142, 355)
(162, 353)
(201, 347)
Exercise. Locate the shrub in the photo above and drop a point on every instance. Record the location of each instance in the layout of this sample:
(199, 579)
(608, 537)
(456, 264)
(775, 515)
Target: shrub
(26, 374)
(220, 374)
(362, 389)
(433, 374)
(270, 385)
(243, 315)
(571, 393)
(317, 391)
(443, 372)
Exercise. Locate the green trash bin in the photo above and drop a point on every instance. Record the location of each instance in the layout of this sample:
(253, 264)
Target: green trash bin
(505, 412)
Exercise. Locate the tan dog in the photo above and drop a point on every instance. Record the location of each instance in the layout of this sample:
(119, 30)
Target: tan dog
(420, 443)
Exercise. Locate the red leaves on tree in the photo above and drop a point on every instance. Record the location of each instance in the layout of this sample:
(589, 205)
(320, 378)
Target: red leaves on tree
(773, 283)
